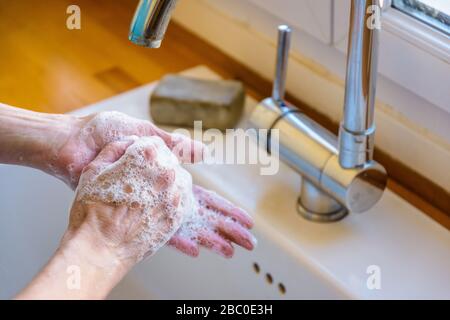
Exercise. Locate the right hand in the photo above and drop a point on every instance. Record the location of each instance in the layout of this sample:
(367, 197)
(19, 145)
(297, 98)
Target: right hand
(223, 222)
(129, 220)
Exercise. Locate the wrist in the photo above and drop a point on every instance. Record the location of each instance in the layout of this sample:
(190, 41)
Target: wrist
(78, 270)
(98, 268)
(51, 134)
(31, 138)
(83, 245)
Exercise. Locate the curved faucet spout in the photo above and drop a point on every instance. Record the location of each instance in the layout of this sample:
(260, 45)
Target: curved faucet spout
(150, 22)
(357, 128)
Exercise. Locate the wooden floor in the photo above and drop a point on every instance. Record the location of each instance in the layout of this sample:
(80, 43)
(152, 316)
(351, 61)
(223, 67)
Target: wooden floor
(46, 67)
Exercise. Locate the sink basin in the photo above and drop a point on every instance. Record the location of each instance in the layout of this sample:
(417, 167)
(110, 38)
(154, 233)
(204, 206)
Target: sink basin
(294, 259)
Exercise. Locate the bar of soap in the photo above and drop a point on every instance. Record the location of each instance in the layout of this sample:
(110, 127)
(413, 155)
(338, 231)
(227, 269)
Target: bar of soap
(179, 101)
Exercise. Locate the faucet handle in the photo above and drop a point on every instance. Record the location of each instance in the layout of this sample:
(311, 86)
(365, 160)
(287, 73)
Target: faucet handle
(284, 42)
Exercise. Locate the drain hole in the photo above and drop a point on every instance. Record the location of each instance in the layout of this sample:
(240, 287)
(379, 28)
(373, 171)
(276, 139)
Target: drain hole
(269, 278)
(256, 267)
(282, 288)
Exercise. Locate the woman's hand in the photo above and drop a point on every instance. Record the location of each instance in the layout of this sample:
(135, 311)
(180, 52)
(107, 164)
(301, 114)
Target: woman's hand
(132, 198)
(62, 145)
(216, 225)
(211, 221)
(223, 222)
(113, 225)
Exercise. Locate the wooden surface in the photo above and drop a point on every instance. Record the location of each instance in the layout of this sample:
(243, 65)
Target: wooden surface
(46, 67)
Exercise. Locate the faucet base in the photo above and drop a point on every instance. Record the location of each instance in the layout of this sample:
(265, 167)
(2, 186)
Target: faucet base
(315, 205)
(321, 217)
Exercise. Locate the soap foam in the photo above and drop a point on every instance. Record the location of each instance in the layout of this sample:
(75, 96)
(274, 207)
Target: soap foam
(149, 178)
(161, 188)
(204, 220)
(112, 126)
(103, 128)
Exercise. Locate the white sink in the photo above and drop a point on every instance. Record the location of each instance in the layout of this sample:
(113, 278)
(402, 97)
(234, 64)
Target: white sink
(307, 259)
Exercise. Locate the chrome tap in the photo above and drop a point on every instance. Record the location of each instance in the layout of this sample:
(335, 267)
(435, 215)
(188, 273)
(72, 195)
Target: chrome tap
(150, 22)
(338, 173)
(356, 134)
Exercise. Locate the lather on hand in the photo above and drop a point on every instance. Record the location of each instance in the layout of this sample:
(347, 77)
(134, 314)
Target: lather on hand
(96, 131)
(113, 225)
(62, 145)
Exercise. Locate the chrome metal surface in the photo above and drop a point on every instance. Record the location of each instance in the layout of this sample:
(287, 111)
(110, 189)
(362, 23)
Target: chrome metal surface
(284, 43)
(358, 189)
(312, 151)
(313, 204)
(339, 174)
(305, 145)
(150, 22)
(357, 128)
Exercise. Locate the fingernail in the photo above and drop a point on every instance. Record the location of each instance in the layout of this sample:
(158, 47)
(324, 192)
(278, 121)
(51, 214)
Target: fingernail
(252, 242)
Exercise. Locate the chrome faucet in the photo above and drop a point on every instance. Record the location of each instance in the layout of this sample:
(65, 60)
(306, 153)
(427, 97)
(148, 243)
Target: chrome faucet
(150, 22)
(338, 173)
(356, 134)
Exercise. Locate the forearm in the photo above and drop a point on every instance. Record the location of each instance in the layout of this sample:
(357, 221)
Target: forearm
(30, 138)
(78, 270)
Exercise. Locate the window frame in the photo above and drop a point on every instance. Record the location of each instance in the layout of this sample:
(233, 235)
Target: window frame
(414, 11)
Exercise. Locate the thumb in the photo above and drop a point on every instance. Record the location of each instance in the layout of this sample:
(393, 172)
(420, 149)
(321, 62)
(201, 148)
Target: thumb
(108, 155)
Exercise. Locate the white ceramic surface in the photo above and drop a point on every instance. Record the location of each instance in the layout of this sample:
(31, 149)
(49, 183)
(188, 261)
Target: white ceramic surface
(311, 260)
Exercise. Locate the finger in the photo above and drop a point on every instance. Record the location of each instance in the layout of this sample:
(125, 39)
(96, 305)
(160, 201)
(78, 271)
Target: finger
(164, 180)
(112, 152)
(236, 233)
(187, 246)
(186, 149)
(213, 201)
(216, 243)
(109, 154)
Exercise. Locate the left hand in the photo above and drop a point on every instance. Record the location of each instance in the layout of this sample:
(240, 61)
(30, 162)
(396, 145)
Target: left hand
(227, 223)
(90, 134)
(221, 224)
(62, 145)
